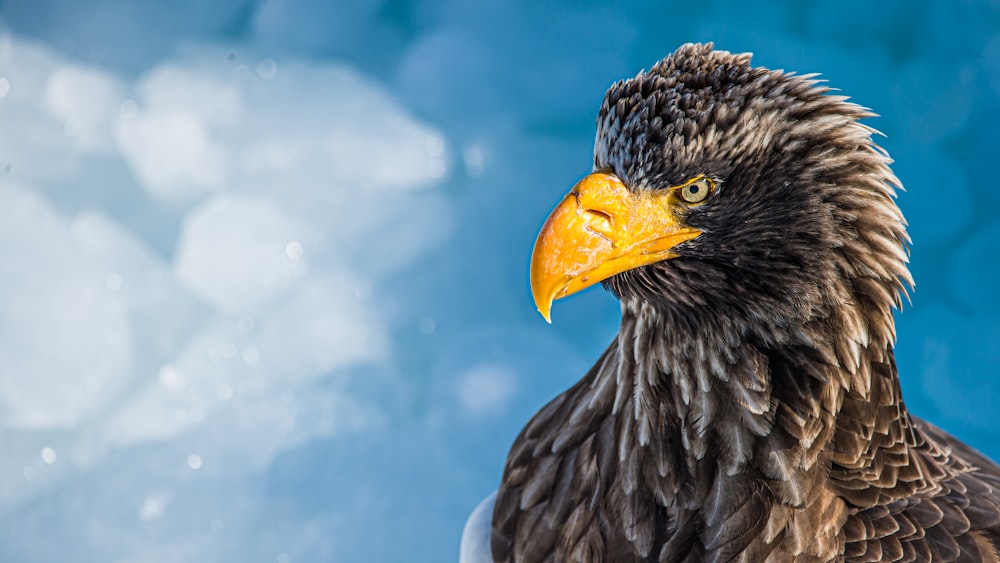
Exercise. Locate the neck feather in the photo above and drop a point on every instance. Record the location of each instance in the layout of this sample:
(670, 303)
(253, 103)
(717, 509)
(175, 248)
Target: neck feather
(719, 422)
(752, 403)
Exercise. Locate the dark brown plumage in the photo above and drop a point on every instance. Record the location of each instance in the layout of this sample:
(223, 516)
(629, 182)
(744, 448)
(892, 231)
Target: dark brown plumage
(749, 408)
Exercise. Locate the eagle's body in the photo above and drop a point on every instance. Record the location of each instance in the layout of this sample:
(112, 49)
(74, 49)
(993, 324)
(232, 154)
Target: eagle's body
(749, 408)
(651, 458)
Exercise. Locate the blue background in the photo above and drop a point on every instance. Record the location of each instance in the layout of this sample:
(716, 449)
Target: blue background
(263, 291)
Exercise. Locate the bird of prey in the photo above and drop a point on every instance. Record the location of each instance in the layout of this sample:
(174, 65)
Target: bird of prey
(749, 408)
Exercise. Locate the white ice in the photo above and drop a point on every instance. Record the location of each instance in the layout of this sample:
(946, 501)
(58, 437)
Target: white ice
(475, 547)
(65, 339)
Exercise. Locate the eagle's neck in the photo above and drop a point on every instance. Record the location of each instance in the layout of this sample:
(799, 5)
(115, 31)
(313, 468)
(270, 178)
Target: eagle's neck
(719, 424)
(692, 393)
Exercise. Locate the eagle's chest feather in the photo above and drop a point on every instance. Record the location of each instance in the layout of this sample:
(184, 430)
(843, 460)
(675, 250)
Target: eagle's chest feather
(657, 455)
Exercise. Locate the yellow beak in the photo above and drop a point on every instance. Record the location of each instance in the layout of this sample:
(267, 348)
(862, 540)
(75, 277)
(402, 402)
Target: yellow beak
(600, 229)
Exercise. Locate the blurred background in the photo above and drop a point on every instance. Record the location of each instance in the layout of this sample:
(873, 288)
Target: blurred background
(263, 263)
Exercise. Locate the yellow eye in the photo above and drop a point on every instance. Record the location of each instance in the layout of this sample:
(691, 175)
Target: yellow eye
(696, 191)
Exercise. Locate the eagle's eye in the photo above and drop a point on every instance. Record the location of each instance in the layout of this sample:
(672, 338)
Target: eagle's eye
(696, 189)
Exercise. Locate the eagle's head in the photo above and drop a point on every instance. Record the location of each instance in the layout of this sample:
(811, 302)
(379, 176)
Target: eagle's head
(724, 191)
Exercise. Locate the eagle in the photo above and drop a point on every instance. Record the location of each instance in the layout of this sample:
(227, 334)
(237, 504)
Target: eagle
(749, 408)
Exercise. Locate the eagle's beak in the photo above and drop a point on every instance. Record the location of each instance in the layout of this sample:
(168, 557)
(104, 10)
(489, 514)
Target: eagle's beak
(600, 229)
